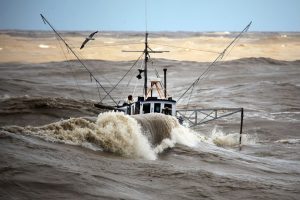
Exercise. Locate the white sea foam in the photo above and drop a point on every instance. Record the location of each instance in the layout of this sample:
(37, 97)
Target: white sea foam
(289, 141)
(5, 96)
(112, 132)
(285, 112)
(219, 138)
(185, 136)
(124, 135)
(43, 46)
(180, 135)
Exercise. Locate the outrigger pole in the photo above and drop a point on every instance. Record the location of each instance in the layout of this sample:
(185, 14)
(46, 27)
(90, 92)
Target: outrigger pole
(219, 57)
(67, 45)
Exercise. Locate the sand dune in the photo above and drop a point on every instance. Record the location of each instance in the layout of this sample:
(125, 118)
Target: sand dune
(38, 47)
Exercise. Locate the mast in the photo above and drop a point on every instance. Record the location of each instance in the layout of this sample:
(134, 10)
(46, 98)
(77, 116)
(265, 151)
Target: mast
(146, 52)
(165, 82)
(145, 64)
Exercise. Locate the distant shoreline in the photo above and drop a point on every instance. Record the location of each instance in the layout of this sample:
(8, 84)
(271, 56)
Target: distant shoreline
(175, 34)
(28, 46)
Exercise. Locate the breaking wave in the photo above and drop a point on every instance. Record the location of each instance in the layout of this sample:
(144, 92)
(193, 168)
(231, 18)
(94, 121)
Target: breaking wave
(219, 138)
(140, 136)
(112, 132)
(288, 141)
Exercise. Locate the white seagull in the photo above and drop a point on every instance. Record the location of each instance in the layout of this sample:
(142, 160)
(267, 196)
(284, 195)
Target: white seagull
(90, 37)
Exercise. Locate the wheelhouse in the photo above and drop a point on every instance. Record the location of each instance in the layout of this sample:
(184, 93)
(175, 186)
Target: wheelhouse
(150, 105)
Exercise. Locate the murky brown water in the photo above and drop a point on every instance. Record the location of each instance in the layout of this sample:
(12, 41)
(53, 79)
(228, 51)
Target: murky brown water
(46, 155)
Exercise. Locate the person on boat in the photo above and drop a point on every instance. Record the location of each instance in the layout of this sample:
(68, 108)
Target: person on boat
(167, 111)
(130, 99)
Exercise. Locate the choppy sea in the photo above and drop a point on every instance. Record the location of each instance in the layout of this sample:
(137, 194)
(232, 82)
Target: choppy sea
(55, 145)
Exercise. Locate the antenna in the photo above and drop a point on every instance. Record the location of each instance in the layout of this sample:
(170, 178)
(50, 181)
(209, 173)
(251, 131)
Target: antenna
(146, 52)
(146, 16)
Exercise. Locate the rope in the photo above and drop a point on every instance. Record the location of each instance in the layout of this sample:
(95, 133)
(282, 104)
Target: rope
(146, 16)
(122, 78)
(82, 58)
(201, 50)
(125, 92)
(136, 82)
(219, 57)
(112, 45)
(69, 62)
(132, 74)
(79, 60)
(152, 60)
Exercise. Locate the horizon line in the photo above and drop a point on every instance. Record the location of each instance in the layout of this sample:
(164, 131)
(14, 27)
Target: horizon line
(158, 31)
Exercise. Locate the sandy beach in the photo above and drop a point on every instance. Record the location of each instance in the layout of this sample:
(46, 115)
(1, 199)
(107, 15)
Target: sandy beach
(38, 47)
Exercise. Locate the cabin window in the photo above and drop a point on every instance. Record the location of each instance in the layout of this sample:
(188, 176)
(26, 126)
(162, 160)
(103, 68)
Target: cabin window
(167, 109)
(128, 110)
(157, 107)
(137, 108)
(168, 106)
(132, 109)
(146, 108)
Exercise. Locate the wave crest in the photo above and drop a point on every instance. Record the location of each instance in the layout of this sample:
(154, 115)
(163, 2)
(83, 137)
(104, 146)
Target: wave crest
(140, 136)
(113, 132)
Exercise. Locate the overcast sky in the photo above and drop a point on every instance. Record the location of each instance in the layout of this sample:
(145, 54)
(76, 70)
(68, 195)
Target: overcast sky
(162, 15)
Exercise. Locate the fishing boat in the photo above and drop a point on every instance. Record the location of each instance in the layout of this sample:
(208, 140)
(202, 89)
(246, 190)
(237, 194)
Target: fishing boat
(155, 98)
(149, 103)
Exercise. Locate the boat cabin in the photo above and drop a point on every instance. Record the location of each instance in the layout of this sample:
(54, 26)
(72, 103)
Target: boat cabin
(150, 105)
(156, 101)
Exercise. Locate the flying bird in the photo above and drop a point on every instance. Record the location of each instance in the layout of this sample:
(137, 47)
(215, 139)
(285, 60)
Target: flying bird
(90, 37)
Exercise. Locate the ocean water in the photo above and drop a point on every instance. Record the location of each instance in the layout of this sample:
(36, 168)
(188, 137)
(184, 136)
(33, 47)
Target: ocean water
(55, 145)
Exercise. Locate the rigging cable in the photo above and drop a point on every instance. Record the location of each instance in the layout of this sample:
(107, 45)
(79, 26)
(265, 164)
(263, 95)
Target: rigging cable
(201, 50)
(133, 73)
(97, 86)
(82, 58)
(136, 82)
(90, 73)
(69, 62)
(219, 57)
(124, 93)
(108, 93)
(112, 45)
(146, 16)
(158, 76)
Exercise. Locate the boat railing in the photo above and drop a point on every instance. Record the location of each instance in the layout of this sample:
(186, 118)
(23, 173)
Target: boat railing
(195, 117)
